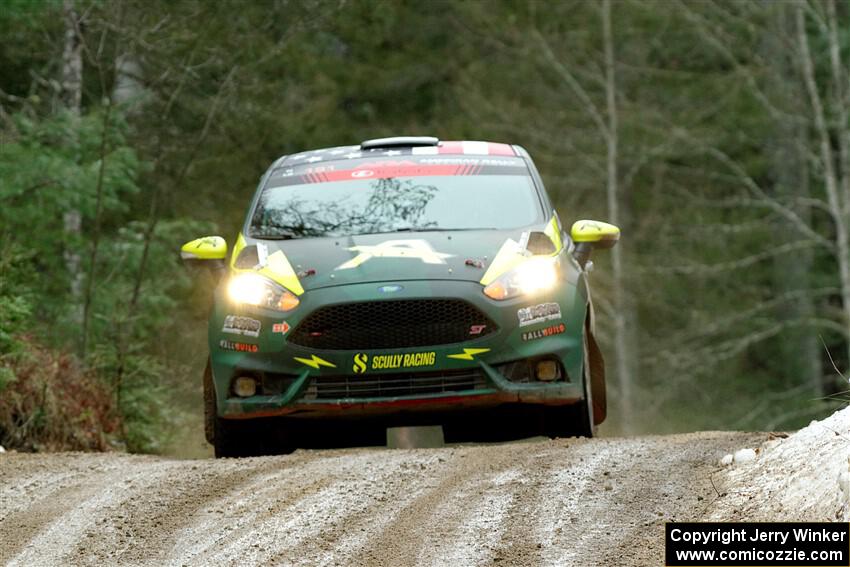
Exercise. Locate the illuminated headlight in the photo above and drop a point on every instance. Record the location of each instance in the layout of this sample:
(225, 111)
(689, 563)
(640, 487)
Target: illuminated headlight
(253, 289)
(530, 277)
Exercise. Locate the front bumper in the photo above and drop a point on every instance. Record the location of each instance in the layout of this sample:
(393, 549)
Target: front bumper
(499, 391)
(303, 372)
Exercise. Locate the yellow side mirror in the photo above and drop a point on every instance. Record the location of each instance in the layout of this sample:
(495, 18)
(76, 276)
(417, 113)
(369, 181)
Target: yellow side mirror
(599, 234)
(206, 248)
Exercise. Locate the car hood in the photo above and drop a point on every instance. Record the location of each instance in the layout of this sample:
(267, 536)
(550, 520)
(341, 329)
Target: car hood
(392, 257)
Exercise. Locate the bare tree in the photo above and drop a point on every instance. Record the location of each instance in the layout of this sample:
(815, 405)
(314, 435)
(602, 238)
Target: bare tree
(623, 311)
(71, 95)
(835, 169)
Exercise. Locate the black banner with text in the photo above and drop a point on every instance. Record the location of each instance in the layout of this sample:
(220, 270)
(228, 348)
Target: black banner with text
(803, 544)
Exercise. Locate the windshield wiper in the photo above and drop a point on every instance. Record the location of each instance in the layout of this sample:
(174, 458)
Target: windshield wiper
(429, 229)
(278, 236)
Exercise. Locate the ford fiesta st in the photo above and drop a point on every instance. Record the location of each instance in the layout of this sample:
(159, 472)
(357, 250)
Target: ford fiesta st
(404, 281)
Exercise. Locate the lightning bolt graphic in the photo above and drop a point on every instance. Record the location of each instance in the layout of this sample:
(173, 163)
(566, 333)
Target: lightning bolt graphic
(468, 353)
(315, 362)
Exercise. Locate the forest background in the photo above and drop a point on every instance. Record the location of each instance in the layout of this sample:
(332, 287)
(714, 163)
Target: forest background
(715, 134)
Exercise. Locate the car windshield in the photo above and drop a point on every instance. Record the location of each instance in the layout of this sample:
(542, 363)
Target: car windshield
(379, 198)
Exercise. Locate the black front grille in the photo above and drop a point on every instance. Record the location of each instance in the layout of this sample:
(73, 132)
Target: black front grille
(392, 324)
(274, 384)
(392, 385)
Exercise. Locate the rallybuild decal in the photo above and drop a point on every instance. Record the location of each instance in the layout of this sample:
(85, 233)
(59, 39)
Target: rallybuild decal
(237, 325)
(362, 361)
(539, 313)
(240, 347)
(543, 333)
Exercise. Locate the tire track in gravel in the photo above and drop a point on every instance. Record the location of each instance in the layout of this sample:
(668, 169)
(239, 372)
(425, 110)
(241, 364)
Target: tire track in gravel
(301, 511)
(148, 526)
(581, 502)
(425, 522)
(377, 507)
(475, 517)
(35, 491)
(537, 513)
(62, 532)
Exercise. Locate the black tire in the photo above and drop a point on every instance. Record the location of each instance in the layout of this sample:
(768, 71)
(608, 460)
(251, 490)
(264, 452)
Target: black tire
(234, 438)
(596, 367)
(241, 438)
(209, 405)
(585, 425)
(575, 420)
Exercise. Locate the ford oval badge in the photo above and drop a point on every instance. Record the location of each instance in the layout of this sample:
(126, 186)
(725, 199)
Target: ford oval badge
(390, 288)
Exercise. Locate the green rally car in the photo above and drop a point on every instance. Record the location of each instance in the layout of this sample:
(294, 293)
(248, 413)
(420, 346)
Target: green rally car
(404, 281)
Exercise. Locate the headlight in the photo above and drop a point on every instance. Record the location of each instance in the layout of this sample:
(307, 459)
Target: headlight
(253, 289)
(530, 277)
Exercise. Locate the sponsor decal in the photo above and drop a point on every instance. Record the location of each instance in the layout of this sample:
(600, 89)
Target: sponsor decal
(539, 313)
(315, 362)
(240, 347)
(281, 328)
(473, 161)
(236, 325)
(468, 353)
(414, 249)
(362, 361)
(385, 163)
(321, 169)
(390, 288)
(477, 329)
(543, 333)
(362, 173)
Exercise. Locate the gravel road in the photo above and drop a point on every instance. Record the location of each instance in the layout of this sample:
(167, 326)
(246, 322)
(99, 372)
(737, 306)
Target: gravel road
(562, 502)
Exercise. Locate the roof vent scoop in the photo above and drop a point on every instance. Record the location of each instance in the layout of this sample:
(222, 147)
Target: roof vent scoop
(399, 141)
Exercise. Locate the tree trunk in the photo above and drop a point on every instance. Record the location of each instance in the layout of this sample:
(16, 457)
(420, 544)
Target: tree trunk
(624, 316)
(72, 60)
(799, 360)
(836, 200)
(71, 97)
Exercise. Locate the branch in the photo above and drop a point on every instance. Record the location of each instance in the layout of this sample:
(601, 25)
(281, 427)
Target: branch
(838, 86)
(571, 81)
(703, 269)
(820, 121)
(723, 48)
(772, 203)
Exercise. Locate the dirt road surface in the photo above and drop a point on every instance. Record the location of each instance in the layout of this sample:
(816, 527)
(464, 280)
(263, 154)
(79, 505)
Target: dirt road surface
(562, 502)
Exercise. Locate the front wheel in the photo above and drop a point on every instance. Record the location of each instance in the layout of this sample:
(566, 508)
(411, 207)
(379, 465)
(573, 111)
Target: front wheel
(579, 419)
(241, 438)
(233, 438)
(251, 437)
(575, 420)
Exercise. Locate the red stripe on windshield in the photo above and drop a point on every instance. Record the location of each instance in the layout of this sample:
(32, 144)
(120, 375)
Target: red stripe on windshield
(393, 171)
